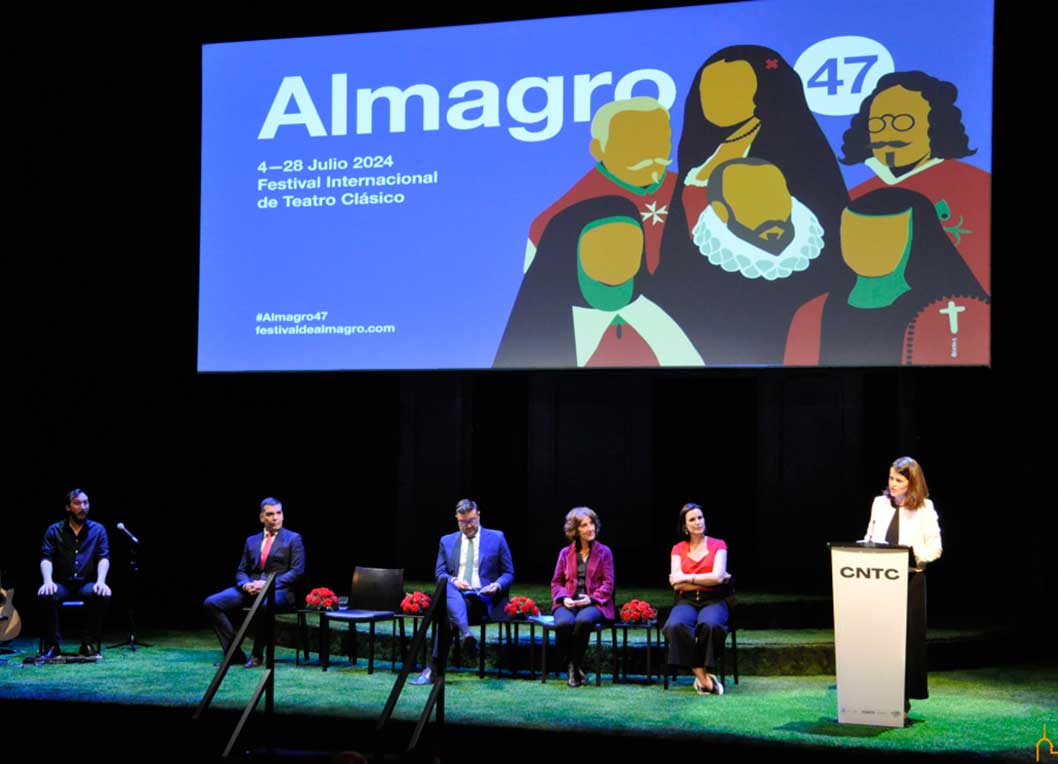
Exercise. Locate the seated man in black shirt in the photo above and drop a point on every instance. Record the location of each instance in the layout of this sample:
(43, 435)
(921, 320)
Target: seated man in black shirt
(74, 562)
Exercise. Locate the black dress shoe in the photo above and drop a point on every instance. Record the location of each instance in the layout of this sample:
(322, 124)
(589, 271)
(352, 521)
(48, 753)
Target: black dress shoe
(426, 677)
(51, 653)
(88, 651)
(253, 662)
(470, 645)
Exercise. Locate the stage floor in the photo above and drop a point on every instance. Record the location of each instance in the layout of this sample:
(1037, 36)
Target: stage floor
(989, 713)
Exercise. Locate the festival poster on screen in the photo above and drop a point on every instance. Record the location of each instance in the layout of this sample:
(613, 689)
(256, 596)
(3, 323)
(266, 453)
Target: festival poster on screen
(768, 183)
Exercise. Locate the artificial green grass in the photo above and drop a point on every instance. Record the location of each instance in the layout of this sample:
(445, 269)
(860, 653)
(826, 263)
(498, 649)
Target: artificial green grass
(994, 713)
(746, 637)
(764, 652)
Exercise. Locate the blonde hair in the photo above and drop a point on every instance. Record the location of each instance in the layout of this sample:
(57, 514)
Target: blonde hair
(600, 123)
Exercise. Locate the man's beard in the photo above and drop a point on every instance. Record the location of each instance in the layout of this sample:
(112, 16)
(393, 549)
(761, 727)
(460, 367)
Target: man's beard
(772, 244)
(903, 169)
(889, 157)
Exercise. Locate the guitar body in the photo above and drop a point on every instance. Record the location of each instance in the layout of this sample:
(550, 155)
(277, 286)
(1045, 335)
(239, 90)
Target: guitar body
(10, 623)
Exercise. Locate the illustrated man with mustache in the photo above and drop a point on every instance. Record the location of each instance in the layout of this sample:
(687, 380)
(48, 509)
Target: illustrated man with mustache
(909, 132)
(631, 141)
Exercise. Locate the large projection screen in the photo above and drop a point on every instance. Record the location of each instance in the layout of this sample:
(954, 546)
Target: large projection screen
(800, 183)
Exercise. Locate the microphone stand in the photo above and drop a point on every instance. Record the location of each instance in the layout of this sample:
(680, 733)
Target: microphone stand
(134, 584)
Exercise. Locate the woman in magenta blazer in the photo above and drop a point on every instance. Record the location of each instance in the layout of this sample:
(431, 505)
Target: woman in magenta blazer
(581, 589)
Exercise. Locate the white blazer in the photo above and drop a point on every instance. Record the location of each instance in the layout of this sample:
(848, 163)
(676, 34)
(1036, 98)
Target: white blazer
(919, 529)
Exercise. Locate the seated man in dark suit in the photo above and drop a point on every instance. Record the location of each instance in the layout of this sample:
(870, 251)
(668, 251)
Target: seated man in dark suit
(477, 564)
(274, 550)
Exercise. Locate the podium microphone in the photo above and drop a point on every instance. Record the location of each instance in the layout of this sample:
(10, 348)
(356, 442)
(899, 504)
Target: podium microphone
(121, 527)
(865, 540)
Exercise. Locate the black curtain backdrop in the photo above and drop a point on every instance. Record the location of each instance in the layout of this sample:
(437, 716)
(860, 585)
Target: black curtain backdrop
(102, 249)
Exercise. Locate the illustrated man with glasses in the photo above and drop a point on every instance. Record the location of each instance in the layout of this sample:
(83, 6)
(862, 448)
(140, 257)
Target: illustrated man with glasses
(476, 563)
(910, 133)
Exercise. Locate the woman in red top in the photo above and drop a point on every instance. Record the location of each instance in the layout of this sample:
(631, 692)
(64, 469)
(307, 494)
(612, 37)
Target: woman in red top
(697, 625)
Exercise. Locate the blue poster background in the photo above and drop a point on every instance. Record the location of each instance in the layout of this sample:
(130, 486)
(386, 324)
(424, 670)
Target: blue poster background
(443, 267)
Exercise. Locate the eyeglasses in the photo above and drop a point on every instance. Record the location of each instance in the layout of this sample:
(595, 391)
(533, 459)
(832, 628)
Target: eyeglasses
(467, 522)
(900, 122)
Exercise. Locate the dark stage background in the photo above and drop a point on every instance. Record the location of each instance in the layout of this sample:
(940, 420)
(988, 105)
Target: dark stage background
(103, 240)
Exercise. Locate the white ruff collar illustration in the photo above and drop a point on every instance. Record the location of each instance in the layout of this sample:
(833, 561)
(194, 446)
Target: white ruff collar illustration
(725, 250)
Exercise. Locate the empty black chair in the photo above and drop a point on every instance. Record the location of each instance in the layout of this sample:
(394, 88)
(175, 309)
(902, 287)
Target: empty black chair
(375, 596)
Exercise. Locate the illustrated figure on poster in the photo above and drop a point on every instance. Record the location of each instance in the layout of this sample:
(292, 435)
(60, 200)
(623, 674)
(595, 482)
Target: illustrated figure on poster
(746, 101)
(914, 300)
(909, 132)
(631, 141)
(582, 302)
(753, 225)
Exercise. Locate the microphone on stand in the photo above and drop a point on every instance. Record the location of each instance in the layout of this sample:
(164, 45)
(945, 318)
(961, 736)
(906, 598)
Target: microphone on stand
(134, 569)
(865, 540)
(121, 527)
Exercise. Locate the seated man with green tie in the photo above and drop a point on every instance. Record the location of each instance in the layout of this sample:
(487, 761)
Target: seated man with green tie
(476, 563)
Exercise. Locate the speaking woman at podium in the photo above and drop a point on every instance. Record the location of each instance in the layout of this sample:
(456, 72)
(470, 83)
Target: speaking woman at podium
(903, 515)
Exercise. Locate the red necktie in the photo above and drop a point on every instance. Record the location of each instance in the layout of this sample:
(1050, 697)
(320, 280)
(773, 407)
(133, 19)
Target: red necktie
(265, 550)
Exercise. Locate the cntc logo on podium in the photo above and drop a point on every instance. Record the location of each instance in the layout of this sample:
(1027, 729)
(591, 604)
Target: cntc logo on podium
(873, 573)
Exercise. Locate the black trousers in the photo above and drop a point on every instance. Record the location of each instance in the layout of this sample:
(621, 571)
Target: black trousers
(573, 629)
(72, 590)
(696, 632)
(916, 666)
(220, 604)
